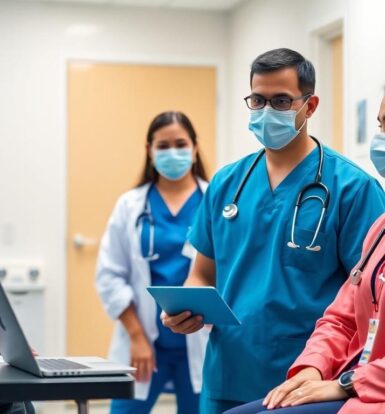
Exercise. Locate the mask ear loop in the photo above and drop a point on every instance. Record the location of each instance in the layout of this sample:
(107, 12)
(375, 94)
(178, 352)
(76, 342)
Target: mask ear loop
(305, 121)
(300, 128)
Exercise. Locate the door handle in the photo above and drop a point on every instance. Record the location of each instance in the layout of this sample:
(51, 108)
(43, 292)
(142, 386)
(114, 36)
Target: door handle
(80, 241)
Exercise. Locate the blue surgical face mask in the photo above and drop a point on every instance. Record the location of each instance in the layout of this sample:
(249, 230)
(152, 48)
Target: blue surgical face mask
(173, 163)
(377, 152)
(274, 129)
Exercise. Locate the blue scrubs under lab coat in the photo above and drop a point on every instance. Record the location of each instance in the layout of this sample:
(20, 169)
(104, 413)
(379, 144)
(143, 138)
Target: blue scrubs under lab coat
(172, 267)
(277, 292)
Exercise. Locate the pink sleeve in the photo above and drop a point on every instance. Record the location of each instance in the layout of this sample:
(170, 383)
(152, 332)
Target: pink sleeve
(327, 347)
(369, 381)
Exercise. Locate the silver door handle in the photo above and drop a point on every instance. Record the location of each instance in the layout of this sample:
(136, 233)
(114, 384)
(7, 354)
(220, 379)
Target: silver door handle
(81, 241)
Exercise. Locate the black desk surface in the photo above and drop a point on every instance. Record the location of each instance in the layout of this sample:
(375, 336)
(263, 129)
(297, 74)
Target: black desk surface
(17, 385)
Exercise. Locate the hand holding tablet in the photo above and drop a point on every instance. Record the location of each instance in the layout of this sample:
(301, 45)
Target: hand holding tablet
(202, 300)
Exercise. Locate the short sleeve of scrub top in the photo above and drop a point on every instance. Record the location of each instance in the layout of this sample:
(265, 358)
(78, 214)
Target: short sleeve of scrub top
(200, 235)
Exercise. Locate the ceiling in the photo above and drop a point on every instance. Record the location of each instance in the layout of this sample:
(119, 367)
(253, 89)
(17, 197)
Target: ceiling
(220, 5)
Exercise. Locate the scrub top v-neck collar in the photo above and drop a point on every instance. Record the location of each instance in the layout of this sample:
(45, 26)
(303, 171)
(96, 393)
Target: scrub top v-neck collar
(184, 210)
(295, 175)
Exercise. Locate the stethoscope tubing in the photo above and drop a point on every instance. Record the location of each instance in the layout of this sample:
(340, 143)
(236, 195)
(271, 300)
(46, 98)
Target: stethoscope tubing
(362, 264)
(246, 177)
(356, 273)
(373, 280)
(146, 214)
(259, 156)
(230, 211)
(300, 200)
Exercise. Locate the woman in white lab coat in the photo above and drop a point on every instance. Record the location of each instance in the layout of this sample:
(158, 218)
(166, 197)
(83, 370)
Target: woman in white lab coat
(145, 244)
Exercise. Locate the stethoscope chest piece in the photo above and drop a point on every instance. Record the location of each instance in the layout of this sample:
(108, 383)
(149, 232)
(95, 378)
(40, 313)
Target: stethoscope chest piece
(230, 211)
(356, 273)
(293, 245)
(355, 277)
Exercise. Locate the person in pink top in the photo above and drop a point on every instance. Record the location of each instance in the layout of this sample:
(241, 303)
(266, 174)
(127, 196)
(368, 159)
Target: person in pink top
(342, 368)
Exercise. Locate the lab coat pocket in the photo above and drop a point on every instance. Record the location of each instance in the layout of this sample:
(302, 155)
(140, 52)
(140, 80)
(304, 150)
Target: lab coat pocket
(303, 258)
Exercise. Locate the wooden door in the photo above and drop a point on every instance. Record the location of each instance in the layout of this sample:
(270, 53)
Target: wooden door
(109, 109)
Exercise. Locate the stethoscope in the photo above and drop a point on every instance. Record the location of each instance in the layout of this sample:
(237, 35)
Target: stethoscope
(356, 273)
(230, 211)
(146, 214)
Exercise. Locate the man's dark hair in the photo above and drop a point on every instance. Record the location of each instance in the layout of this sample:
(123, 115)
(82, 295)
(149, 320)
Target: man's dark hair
(277, 59)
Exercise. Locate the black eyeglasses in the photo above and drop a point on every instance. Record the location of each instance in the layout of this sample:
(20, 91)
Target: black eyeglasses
(279, 102)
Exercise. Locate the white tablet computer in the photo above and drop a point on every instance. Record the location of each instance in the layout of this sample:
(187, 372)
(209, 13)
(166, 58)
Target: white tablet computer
(202, 300)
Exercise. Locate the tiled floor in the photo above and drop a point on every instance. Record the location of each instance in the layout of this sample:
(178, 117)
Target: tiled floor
(165, 405)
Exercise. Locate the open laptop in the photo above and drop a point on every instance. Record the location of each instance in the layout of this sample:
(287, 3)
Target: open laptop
(15, 351)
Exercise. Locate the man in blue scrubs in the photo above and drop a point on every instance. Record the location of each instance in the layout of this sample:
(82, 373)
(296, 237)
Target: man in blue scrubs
(277, 291)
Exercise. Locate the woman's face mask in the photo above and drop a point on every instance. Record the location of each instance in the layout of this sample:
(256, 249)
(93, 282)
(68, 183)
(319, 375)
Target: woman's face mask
(377, 152)
(274, 129)
(173, 163)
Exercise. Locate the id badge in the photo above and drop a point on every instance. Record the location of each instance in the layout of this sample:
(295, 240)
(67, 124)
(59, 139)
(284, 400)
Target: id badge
(372, 332)
(188, 250)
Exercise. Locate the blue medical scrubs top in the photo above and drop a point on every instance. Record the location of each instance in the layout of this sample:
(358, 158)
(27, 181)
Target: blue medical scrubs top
(172, 267)
(277, 292)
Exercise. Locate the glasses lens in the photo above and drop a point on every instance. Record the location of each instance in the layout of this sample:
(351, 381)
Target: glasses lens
(281, 103)
(256, 101)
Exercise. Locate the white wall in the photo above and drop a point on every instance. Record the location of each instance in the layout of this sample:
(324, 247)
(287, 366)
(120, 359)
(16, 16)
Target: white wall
(35, 40)
(260, 25)
(365, 71)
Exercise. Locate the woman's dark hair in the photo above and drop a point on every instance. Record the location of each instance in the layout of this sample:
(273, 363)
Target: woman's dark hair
(149, 174)
(277, 59)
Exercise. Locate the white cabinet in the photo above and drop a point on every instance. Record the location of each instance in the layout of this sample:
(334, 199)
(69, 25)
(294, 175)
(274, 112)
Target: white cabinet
(23, 280)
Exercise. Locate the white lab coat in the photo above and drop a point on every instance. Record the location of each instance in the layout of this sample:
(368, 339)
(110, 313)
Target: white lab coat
(121, 279)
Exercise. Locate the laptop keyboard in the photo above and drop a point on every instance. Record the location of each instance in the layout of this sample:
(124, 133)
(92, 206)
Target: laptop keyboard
(52, 364)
